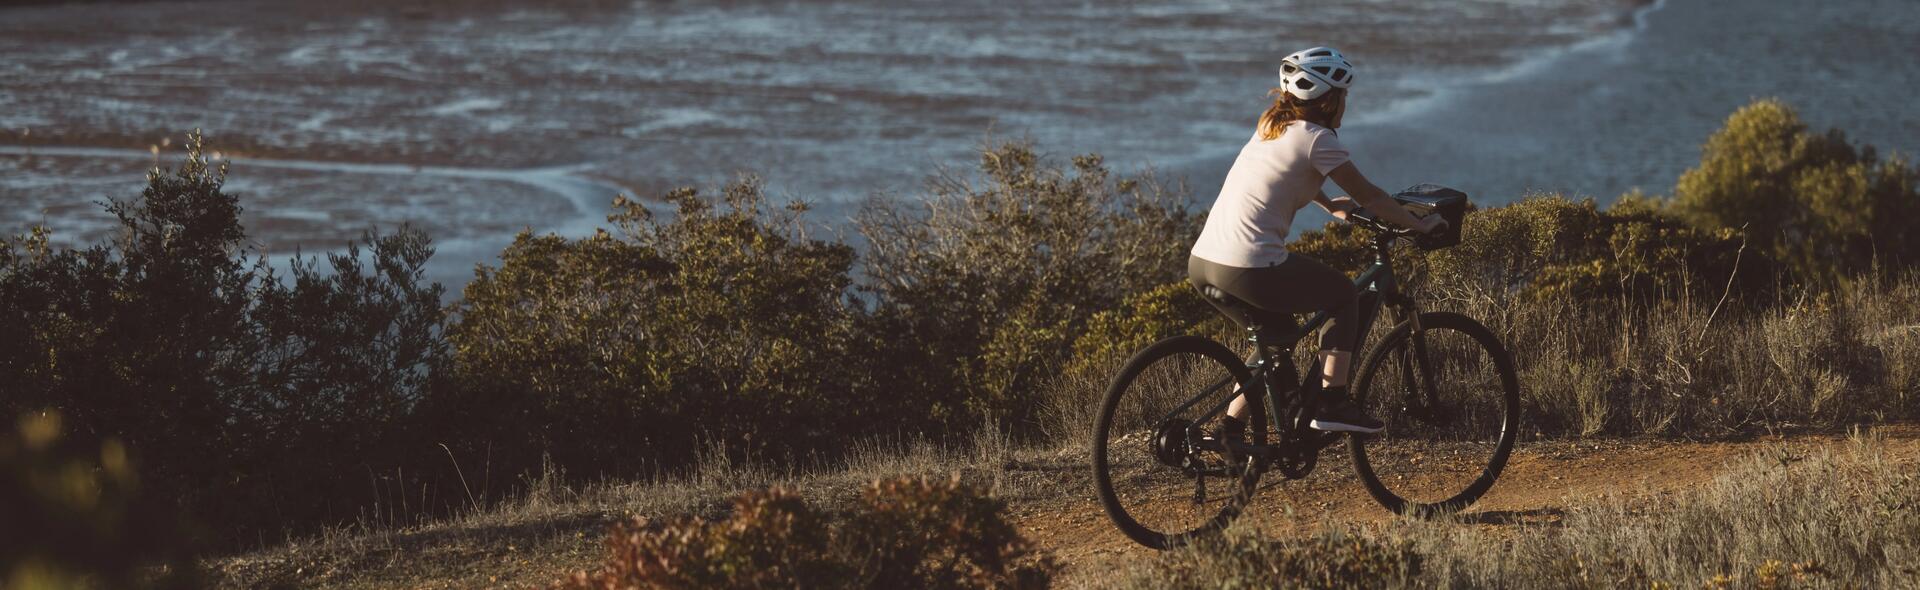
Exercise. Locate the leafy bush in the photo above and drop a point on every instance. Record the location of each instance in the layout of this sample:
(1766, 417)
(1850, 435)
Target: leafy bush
(905, 533)
(632, 346)
(1549, 247)
(242, 397)
(1141, 319)
(986, 285)
(921, 533)
(772, 540)
(1812, 201)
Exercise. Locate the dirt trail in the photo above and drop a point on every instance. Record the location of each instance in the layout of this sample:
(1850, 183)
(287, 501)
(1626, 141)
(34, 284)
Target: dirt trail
(1542, 482)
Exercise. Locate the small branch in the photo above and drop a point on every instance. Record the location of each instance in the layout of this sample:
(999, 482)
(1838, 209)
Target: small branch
(474, 504)
(1728, 290)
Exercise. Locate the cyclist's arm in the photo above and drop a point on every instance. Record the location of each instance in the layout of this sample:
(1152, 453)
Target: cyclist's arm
(1375, 200)
(1338, 206)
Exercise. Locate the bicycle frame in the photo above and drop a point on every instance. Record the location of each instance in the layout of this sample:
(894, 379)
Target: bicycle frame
(1378, 286)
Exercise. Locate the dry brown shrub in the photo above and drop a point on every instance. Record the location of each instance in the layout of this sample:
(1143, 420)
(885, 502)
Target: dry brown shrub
(904, 533)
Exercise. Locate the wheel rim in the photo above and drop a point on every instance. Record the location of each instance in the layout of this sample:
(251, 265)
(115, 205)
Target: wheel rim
(1144, 468)
(1442, 448)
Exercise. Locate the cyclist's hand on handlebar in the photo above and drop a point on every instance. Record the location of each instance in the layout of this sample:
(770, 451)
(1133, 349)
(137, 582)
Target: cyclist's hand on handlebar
(1342, 206)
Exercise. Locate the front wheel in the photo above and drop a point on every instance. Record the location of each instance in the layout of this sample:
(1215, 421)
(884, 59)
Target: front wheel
(1161, 475)
(1452, 406)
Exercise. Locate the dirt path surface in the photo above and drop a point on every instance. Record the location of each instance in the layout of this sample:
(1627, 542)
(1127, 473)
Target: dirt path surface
(1057, 509)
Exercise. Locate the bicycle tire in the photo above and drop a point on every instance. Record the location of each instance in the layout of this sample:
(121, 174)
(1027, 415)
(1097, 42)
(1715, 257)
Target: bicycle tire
(1449, 428)
(1132, 387)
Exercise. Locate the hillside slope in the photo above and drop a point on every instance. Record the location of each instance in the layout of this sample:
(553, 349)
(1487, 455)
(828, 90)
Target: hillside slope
(534, 540)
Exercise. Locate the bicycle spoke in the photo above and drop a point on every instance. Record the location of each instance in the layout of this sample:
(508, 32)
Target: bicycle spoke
(1160, 474)
(1450, 402)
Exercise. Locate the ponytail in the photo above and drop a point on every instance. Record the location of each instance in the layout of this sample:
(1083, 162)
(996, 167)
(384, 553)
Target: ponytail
(1286, 109)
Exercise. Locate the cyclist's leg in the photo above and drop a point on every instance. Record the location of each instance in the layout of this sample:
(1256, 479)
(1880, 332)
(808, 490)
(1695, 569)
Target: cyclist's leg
(1304, 285)
(1202, 273)
(1297, 285)
(1301, 285)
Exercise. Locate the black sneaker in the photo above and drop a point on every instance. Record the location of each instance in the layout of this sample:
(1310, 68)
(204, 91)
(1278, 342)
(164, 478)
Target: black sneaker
(1229, 433)
(1232, 436)
(1338, 413)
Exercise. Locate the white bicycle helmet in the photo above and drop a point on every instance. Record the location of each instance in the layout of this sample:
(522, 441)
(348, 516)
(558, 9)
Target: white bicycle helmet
(1311, 73)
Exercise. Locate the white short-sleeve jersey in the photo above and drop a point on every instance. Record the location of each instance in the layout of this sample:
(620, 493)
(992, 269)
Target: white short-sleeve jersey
(1271, 179)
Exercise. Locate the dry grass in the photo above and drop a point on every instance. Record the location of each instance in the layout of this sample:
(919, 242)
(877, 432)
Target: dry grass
(1691, 366)
(1829, 517)
(1695, 365)
(553, 528)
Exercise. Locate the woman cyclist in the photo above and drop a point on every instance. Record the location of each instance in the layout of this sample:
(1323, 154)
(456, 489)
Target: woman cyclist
(1242, 253)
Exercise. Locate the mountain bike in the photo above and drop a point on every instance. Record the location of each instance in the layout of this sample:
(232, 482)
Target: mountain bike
(1443, 383)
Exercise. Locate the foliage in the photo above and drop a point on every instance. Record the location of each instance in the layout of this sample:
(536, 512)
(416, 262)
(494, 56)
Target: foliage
(74, 515)
(243, 397)
(987, 283)
(905, 533)
(1550, 247)
(1141, 319)
(1812, 201)
(921, 533)
(724, 322)
(772, 540)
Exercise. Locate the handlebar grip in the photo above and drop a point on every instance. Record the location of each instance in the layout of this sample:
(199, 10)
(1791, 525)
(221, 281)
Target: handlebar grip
(1373, 222)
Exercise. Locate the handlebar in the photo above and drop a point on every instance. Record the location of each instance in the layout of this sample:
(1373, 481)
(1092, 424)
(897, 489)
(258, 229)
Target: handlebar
(1366, 219)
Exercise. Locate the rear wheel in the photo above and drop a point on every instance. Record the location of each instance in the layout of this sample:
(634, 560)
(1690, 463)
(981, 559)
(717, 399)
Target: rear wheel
(1451, 402)
(1160, 476)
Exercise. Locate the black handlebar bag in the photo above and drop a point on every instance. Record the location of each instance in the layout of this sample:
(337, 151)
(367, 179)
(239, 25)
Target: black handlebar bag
(1427, 199)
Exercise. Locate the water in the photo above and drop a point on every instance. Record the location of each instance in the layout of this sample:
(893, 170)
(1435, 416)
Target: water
(480, 121)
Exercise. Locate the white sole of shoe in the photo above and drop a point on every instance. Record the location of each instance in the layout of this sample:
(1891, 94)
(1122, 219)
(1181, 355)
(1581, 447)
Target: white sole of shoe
(1338, 427)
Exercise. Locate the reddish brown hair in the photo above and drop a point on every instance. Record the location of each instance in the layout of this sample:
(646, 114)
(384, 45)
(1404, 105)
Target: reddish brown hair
(1286, 109)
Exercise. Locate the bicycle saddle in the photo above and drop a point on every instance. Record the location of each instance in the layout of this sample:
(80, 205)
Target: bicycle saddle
(1254, 317)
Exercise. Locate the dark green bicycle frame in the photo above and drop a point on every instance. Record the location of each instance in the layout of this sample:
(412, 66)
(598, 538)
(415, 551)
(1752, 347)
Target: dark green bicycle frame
(1377, 286)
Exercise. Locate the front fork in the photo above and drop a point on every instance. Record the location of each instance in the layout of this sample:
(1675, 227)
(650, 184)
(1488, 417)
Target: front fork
(1415, 369)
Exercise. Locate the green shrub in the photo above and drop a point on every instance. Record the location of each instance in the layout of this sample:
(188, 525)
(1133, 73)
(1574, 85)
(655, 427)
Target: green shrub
(983, 286)
(627, 349)
(905, 533)
(1547, 246)
(1141, 319)
(242, 396)
(1813, 201)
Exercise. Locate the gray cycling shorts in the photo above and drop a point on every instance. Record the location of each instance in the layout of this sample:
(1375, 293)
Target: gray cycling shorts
(1300, 285)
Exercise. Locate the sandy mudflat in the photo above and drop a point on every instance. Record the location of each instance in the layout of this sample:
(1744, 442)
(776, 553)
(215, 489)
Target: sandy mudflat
(832, 101)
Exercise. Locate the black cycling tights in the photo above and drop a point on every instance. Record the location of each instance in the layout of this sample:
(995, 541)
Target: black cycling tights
(1298, 285)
